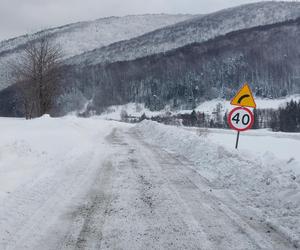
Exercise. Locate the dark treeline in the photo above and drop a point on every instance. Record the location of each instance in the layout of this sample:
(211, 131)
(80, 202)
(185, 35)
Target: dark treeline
(287, 119)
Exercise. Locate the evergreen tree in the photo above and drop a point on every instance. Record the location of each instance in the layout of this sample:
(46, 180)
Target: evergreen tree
(143, 117)
(288, 117)
(211, 123)
(225, 120)
(274, 123)
(256, 119)
(193, 118)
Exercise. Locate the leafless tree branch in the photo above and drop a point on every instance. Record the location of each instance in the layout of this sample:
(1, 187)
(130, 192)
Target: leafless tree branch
(37, 73)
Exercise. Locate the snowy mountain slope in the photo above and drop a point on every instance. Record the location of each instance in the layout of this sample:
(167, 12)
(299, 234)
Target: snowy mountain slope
(198, 29)
(81, 37)
(84, 36)
(267, 57)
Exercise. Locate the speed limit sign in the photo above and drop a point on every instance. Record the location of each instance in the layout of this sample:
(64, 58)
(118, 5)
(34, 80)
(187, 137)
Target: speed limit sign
(240, 119)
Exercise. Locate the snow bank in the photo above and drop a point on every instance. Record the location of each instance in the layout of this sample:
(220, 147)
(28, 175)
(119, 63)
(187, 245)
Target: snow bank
(259, 144)
(265, 184)
(48, 167)
(37, 147)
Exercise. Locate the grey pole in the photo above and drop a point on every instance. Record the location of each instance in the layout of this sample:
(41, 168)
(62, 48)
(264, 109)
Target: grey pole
(237, 140)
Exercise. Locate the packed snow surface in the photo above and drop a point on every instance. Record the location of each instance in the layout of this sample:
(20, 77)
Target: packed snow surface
(73, 183)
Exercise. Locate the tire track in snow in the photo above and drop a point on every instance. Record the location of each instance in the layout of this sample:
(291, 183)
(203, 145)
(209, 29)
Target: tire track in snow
(145, 213)
(88, 219)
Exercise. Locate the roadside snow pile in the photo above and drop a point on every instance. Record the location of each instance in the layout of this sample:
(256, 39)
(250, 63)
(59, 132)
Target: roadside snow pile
(258, 143)
(32, 150)
(267, 186)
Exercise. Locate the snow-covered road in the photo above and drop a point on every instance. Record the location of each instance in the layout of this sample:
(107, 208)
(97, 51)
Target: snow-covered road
(113, 190)
(49, 171)
(173, 207)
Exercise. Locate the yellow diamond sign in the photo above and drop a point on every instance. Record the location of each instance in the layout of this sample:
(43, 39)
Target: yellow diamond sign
(244, 98)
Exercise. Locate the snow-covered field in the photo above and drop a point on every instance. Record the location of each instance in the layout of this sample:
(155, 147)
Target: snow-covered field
(208, 107)
(131, 109)
(97, 184)
(261, 103)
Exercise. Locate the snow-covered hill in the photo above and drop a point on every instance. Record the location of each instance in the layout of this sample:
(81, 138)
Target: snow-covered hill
(85, 36)
(197, 29)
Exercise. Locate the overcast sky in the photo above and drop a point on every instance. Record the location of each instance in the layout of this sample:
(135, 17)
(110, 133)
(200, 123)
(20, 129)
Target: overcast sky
(18, 17)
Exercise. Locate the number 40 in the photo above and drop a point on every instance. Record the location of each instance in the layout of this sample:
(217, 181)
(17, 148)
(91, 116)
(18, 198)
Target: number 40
(245, 119)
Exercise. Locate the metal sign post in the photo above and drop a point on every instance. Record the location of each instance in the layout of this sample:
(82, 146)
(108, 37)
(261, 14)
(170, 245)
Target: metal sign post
(237, 140)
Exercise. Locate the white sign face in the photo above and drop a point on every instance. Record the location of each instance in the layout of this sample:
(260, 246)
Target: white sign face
(240, 119)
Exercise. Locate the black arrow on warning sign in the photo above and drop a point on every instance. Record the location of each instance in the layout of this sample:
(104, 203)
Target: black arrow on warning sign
(243, 97)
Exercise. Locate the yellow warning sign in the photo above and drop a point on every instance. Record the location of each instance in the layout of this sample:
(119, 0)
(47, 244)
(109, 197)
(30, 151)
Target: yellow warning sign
(244, 98)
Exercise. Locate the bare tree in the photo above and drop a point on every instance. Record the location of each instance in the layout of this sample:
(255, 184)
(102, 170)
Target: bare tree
(37, 74)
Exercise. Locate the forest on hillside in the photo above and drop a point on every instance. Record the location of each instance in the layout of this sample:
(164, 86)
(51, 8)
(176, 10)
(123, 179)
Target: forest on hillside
(267, 57)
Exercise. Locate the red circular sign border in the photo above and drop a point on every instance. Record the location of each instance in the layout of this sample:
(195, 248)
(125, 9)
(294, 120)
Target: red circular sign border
(244, 129)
